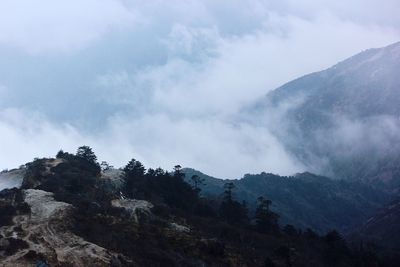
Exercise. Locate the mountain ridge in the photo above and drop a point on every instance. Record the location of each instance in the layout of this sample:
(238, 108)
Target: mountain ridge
(333, 120)
(306, 200)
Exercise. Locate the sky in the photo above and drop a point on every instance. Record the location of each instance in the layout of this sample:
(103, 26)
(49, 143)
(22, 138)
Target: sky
(165, 81)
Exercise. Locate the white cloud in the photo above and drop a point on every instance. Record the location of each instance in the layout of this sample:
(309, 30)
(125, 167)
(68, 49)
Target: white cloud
(238, 70)
(26, 135)
(199, 63)
(64, 25)
(3, 91)
(216, 147)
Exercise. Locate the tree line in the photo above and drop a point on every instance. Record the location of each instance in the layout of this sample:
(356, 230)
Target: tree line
(158, 185)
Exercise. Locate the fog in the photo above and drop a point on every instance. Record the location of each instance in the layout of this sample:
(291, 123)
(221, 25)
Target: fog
(165, 82)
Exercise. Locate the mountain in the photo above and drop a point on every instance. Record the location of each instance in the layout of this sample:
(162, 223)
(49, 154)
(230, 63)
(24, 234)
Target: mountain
(384, 227)
(69, 212)
(343, 122)
(305, 200)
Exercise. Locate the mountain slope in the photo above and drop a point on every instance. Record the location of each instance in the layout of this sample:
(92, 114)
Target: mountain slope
(384, 226)
(305, 200)
(72, 214)
(343, 121)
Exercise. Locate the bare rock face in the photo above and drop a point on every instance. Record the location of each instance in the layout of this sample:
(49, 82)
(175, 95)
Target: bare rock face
(43, 235)
(137, 209)
(12, 178)
(114, 175)
(44, 207)
(179, 228)
(112, 179)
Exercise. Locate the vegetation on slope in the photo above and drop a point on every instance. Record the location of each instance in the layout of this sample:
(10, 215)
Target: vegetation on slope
(305, 200)
(183, 228)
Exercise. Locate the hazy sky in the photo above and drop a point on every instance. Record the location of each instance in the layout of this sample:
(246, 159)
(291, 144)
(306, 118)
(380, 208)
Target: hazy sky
(163, 81)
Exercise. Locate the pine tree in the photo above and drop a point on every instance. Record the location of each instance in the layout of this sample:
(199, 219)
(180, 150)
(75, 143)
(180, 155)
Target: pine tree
(266, 220)
(86, 152)
(231, 210)
(134, 179)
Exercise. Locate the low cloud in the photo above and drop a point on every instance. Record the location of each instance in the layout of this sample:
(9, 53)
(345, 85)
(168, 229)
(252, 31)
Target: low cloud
(217, 147)
(166, 81)
(26, 135)
(362, 145)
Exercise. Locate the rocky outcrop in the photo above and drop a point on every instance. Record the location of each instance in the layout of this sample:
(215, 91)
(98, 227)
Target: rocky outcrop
(12, 178)
(179, 228)
(137, 209)
(43, 235)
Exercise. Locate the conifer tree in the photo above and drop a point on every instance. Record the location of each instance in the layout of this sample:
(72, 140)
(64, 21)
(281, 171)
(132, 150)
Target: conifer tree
(266, 220)
(86, 152)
